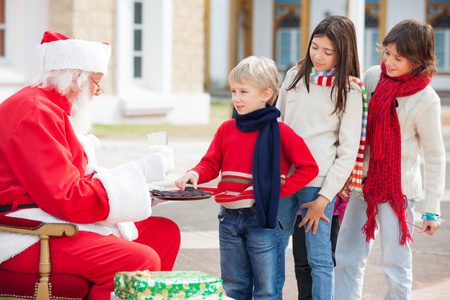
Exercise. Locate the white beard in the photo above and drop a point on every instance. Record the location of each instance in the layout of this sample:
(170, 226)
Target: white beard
(81, 114)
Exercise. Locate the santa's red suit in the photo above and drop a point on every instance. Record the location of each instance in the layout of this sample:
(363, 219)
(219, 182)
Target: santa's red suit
(43, 162)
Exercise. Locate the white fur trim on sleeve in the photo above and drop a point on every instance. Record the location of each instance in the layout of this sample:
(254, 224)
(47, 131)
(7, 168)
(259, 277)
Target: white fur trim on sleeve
(90, 146)
(129, 197)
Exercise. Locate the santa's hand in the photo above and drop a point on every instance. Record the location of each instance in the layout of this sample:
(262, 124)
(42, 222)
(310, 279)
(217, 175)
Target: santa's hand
(156, 166)
(95, 142)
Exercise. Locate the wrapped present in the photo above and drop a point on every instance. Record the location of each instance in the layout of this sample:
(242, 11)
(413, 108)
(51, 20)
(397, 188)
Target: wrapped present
(146, 285)
(114, 297)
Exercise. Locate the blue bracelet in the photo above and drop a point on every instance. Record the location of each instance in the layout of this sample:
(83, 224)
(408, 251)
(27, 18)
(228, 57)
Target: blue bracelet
(430, 217)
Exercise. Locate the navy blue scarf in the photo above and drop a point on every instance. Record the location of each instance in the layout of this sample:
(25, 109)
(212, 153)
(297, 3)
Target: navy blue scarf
(266, 161)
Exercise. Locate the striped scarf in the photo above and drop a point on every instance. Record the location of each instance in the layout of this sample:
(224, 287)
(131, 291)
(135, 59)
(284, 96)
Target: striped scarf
(324, 79)
(383, 182)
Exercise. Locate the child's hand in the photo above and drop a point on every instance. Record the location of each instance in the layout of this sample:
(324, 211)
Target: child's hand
(344, 193)
(315, 212)
(429, 226)
(187, 178)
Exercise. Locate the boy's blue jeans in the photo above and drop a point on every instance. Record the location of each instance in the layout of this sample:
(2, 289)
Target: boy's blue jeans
(318, 245)
(252, 258)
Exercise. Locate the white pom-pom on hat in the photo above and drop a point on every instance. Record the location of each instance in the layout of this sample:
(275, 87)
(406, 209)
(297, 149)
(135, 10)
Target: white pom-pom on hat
(58, 52)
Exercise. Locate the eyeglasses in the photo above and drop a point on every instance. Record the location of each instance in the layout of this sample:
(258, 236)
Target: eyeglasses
(99, 90)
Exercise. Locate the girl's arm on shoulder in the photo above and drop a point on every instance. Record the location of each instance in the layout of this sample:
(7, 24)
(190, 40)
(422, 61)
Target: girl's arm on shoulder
(371, 79)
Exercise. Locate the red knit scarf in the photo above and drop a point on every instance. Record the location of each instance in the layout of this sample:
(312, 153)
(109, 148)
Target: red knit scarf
(383, 182)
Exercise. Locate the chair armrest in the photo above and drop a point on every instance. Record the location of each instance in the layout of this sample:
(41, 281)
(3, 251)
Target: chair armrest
(25, 226)
(44, 231)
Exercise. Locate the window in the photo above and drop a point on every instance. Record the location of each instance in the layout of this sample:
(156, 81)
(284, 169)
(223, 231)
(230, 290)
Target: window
(287, 34)
(137, 40)
(438, 16)
(442, 49)
(371, 34)
(288, 41)
(371, 55)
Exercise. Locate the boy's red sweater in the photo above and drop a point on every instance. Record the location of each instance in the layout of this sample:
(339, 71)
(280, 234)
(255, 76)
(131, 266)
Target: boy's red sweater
(231, 154)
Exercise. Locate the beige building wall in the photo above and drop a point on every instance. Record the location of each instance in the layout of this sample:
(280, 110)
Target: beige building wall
(91, 20)
(61, 16)
(188, 48)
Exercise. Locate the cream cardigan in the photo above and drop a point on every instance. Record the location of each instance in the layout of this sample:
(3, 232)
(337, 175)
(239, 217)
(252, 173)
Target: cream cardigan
(419, 116)
(333, 139)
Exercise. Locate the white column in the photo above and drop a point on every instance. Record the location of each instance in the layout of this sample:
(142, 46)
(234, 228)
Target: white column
(123, 69)
(263, 16)
(219, 41)
(318, 10)
(26, 22)
(167, 33)
(397, 11)
(356, 13)
(160, 21)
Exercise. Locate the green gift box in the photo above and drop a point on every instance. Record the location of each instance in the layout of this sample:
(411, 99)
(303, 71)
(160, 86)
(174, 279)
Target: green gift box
(146, 285)
(114, 297)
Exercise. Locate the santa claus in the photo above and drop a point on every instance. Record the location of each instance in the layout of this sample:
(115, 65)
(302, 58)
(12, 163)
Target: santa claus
(48, 172)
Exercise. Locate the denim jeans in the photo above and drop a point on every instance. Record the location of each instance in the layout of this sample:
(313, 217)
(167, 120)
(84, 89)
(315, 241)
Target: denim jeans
(301, 265)
(318, 245)
(251, 257)
(302, 268)
(352, 251)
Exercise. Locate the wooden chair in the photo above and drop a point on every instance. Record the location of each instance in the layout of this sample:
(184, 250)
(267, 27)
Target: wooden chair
(44, 286)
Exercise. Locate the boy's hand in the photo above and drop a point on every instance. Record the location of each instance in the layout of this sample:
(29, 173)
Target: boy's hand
(315, 212)
(187, 178)
(429, 226)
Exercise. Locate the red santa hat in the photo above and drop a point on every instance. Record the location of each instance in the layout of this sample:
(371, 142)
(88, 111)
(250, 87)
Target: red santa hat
(58, 52)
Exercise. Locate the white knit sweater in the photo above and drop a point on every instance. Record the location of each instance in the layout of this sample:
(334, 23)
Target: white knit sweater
(420, 126)
(333, 139)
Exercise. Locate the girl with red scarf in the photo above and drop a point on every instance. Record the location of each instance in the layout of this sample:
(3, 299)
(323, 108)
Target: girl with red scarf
(404, 120)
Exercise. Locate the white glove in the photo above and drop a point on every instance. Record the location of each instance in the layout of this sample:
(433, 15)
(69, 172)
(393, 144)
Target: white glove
(90, 144)
(94, 141)
(156, 166)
